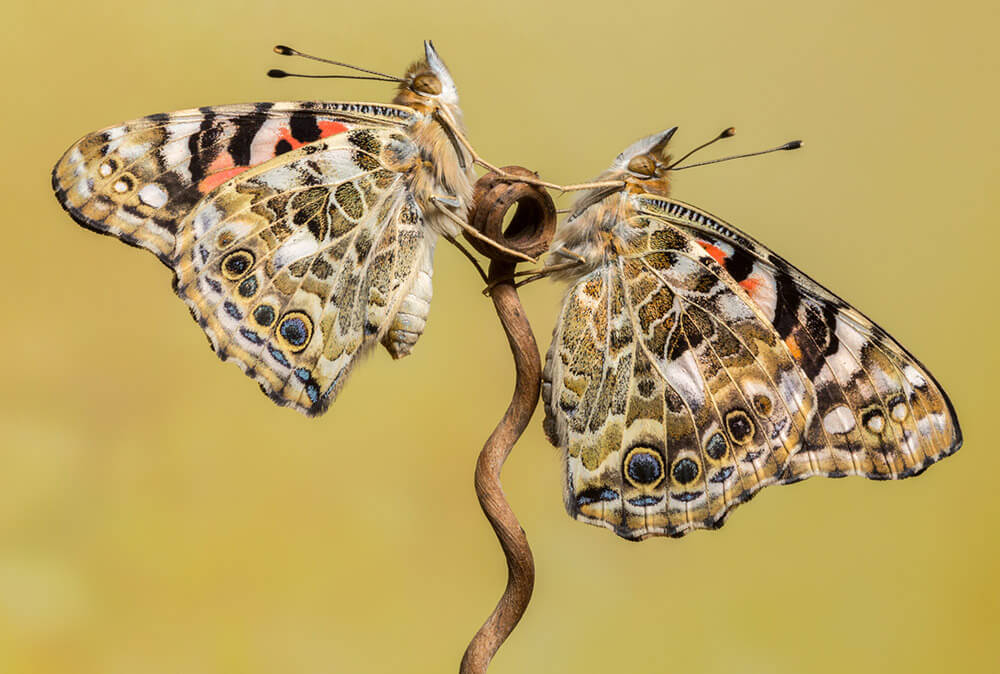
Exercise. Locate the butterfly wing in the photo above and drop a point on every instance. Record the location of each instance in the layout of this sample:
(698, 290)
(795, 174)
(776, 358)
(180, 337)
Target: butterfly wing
(138, 180)
(879, 412)
(672, 396)
(293, 238)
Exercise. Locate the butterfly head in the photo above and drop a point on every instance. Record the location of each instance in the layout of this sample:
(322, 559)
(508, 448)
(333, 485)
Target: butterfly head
(427, 83)
(643, 165)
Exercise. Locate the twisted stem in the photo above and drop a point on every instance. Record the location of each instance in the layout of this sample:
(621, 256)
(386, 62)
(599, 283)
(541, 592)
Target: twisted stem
(520, 564)
(530, 233)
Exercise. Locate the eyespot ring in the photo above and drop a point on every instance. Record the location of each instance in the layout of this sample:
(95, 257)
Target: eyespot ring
(248, 287)
(685, 470)
(237, 264)
(264, 315)
(294, 331)
(740, 427)
(643, 467)
(874, 420)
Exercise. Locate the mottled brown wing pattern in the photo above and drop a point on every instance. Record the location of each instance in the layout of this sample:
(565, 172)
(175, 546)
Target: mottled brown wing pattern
(673, 397)
(880, 413)
(294, 270)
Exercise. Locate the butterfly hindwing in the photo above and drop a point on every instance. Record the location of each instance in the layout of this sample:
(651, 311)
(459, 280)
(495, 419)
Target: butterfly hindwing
(879, 412)
(296, 266)
(670, 392)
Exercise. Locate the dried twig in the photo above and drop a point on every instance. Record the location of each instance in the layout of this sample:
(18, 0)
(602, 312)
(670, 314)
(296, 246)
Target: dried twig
(530, 232)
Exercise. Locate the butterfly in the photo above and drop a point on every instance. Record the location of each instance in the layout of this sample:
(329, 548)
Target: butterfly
(691, 366)
(300, 234)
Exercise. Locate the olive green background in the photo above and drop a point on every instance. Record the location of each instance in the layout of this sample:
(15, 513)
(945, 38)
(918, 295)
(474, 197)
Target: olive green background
(158, 514)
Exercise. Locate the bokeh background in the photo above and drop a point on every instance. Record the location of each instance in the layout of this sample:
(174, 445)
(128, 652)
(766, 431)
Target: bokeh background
(158, 514)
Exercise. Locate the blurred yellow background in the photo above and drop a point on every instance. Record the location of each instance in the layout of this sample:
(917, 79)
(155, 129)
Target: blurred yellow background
(158, 514)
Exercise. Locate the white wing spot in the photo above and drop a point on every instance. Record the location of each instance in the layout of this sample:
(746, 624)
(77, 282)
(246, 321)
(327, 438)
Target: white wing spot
(104, 170)
(914, 377)
(153, 195)
(899, 411)
(684, 376)
(121, 186)
(839, 420)
(206, 218)
(299, 245)
(876, 423)
(85, 188)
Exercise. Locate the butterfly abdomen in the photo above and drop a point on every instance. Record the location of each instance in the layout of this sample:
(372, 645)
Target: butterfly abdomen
(410, 320)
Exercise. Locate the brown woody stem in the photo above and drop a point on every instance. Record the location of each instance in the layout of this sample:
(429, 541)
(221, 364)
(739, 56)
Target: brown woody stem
(530, 232)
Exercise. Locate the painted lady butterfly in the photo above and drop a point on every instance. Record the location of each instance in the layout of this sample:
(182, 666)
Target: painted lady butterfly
(300, 233)
(691, 366)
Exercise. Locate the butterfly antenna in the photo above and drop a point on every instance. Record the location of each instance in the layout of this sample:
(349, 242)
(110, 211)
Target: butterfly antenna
(281, 73)
(726, 133)
(288, 51)
(790, 145)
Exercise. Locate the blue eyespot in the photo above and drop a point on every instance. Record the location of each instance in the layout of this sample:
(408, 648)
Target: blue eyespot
(295, 329)
(264, 315)
(248, 287)
(643, 466)
(722, 475)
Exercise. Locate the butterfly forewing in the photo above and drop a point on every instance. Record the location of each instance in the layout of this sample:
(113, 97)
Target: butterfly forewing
(879, 412)
(137, 180)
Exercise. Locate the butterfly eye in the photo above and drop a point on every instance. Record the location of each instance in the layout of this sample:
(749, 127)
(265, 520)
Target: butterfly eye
(427, 83)
(642, 165)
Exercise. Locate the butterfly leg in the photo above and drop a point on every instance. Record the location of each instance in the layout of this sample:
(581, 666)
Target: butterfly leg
(442, 205)
(568, 253)
(531, 274)
(466, 253)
